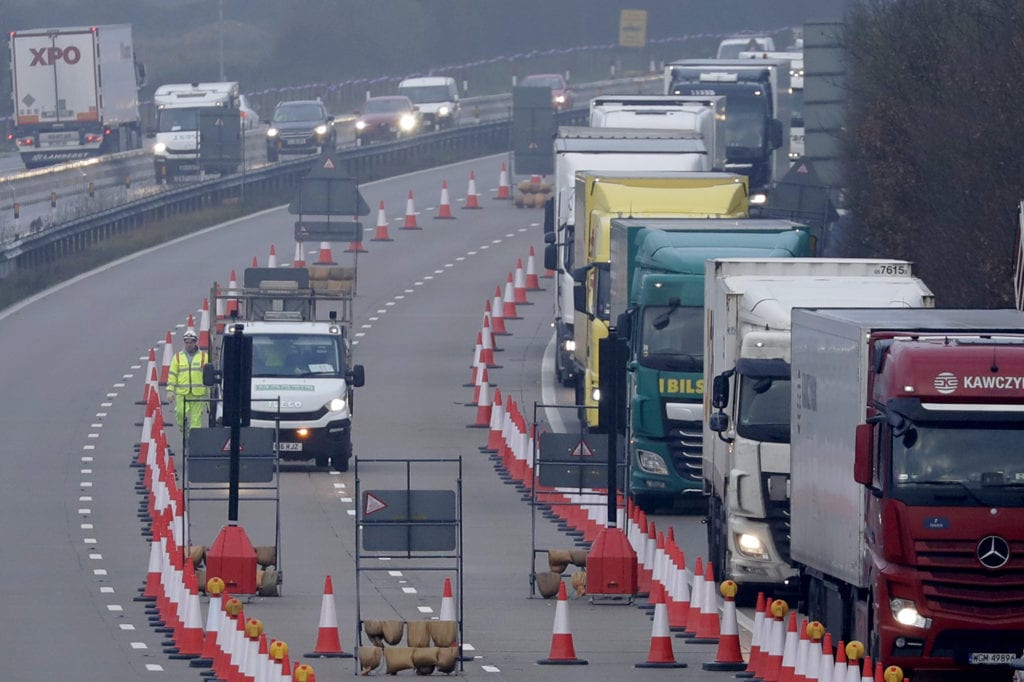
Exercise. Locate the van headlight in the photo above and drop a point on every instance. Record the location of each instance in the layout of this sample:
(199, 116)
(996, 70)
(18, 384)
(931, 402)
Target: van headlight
(272, 132)
(443, 111)
(360, 125)
(337, 405)
(758, 198)
(160, 148)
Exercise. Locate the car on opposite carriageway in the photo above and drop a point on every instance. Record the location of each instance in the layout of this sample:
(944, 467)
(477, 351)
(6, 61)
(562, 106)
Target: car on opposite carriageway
(300, 127)
(385, 118)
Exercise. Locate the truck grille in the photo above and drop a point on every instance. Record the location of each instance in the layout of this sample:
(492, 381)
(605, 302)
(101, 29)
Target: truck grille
(686, 446)
(954, 582)
(777, 517)
(289, 416)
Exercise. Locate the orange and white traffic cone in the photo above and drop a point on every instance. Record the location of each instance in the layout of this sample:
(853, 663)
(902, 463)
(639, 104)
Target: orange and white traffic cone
(854, 654)
(772, 668)
(325, 257)
(519, 284)
(868, 669)
(447, 602)
(483, 408)
(840, 669)
(498, 315)
(444, 210)
(255, 262)
(812, 661)
(272, 258)
(802, 647)
(165, 365)
(504, 189)
(328, 639)
(532, 280)
(482, 381)
(497, 421)
(381, 235)
(214, 588)
(204, 325)
(472, 200)
(827, 664)
(562, 650)
(410, 214)
(660, 654)
(508, 303)
(231, 305)
(729, 656)
(789, 649)
(708, 626)
(357, 245)
(756, 640)
(299, 261)
(487, 345)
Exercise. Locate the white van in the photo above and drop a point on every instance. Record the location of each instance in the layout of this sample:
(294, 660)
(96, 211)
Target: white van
(731, 47)
(437, 98)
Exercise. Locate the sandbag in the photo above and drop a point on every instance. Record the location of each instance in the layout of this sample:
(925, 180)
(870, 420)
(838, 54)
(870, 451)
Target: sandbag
(417, 635)
(375, 631)
(424, 659)
(558, 560)
(547, 584)
(443, 632)
(370, 658)
(398, 658)
(393, 631)
(447, 658)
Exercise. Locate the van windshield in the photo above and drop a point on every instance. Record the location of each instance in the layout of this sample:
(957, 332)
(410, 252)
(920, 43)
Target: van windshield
(426, 93)
(295, 355)
(174, 120)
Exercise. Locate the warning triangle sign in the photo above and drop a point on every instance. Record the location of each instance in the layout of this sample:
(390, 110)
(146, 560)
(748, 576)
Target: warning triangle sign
(373, 504)
(227, 446)
(582, 450)
(328, 164)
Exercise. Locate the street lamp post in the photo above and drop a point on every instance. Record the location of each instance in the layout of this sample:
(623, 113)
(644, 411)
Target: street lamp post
(220, 23)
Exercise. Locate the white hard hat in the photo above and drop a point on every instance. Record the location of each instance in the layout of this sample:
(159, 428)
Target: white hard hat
(189, 334)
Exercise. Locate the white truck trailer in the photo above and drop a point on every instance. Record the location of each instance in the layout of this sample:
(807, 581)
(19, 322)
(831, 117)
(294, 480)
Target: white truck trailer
(76, 93)
(746, 465)
(600, 149)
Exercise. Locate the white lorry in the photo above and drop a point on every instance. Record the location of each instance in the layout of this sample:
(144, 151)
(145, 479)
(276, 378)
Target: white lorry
(600, 149)
(182, 113)
(796, 96)
(746, 465)
(703, 115)
(731, 46)
(302, 371)
(437, 98)
(76, 93)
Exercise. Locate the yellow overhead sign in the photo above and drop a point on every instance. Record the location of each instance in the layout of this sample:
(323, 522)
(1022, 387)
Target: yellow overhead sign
(633, 28)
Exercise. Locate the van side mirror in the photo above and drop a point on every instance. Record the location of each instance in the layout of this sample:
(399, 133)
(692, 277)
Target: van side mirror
(357, 376)
(775, 133)
(550, 255)
(211, 377)
(720, 390)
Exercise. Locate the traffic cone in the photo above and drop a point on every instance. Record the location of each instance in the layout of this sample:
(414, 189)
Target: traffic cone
(803, 643)
(325, 257)
(255, 262)
(532, 280)
(508, 304)
(444, 210)
(679, 607)
(299, 260)
(410, 215)
(756, 639)
(447, 602)
(536, 179)
(840, 669)
(487, 345)
(272, 258)
(562, 650)
(482, 381)
(497, 314)
(729, 656)
(708, 625)
(867, 670)
(472, 200)
(165, 365)
(357, 245)
(693, 618)
(789, 648)
(483, 409)
(519, 284)
(497, 421)
(231, 305)
(328, 640)
(772, 667)
(854, 654)
(812, 659)
(660, 654)
(382, 226)
(827, 664)
(504, 190)
(204, 325)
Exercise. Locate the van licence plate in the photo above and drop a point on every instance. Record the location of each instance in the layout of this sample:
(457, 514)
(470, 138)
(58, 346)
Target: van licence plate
(289, 447)
(990, 659)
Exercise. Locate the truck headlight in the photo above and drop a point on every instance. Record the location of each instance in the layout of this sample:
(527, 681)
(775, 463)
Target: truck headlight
(559, 99)
(758, 198)
(320, 129)
(443, 111)
(570, 345)
(360, 125)
(651, 462)
(595, 395)
(337, 405)
(160, 148)
(750, 546)
(407, 122)
(905, 613)
(272, 132)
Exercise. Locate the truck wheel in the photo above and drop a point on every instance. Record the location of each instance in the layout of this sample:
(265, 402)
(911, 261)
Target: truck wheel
(322, 461)
(716, 537)
(340, 460)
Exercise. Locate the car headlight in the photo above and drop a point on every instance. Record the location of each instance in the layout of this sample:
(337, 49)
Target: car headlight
(407, 122)
(905, 612)
(320, 129)
(360, 125)
(651, 462)
(159, 148)
(560, 99)
(758, 198)
(337, 405)
(272, 132)
(750, 545)
(443, 111)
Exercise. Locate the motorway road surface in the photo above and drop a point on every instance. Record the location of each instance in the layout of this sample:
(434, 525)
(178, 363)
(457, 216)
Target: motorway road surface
(74, 554)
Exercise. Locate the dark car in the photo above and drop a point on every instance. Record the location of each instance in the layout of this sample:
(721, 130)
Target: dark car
(387, 118)
(562, 96)
(300, 127)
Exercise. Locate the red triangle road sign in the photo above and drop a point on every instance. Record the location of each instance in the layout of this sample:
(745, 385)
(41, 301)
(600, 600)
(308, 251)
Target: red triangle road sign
(328, 164)
(373, 504)
(581, 450)
(227, 446)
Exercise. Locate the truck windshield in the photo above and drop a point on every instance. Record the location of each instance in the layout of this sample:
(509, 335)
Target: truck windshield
(174, 120)
(764, 409)
(296, 355)
(747, 110)
(679, 345)
(969, 453)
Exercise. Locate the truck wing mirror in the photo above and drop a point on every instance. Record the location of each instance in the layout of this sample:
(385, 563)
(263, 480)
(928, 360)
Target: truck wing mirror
(718, 422)
(775, 133)
(579, 297)
(550, 254)
(211, 376)
(720, 390)
(862, 454)
(357, 376)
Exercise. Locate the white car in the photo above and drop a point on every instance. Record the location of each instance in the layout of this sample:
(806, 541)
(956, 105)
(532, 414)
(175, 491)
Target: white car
(250, 119)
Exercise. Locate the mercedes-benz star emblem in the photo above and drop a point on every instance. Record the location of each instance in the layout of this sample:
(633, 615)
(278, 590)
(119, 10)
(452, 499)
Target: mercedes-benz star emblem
(993, 551)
